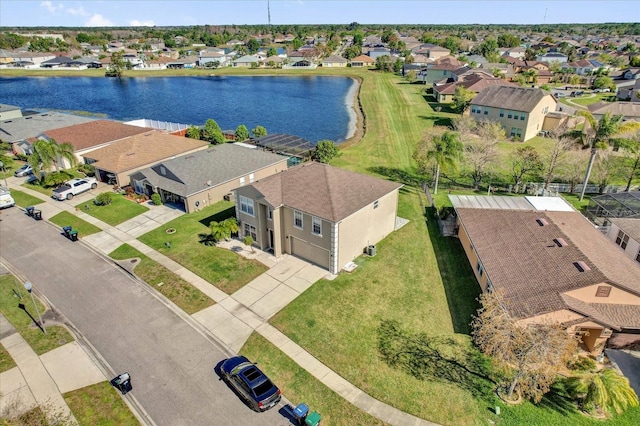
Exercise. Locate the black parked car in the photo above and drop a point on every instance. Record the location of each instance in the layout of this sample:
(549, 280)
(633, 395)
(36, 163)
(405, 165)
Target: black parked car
(251, 383)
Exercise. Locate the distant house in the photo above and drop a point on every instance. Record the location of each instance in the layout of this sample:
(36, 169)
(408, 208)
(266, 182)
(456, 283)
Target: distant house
(115, 162)
(325, 215)
(474, 82)
(583, 67)
(202, 178)
(441, 69)
(210, 56)
(363, 61)
(377, 52)
(552, 56)
(628, 92)
(246, 61)
(628, 110)
(625, 232)
(334, 61)
(550, 264)
(86, 137)
(431, 51)
(521, 111)
(514, 52)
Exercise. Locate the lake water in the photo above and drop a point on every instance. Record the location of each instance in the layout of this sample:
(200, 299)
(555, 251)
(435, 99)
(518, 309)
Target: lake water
(312, 107)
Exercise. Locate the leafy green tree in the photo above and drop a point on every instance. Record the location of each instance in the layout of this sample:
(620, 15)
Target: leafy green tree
(272, 51)
(117, 65)
(194, 132)
(248, 241)
(253, 46)
(411, 76)
(443, 148)
(631, 145)
(603, 390)
(297, 43)
(383, 63)
(325, 151)
(242, 133)
(212, 132)
(508, 40)
(259, 131)
(462, 97)
(602, 82)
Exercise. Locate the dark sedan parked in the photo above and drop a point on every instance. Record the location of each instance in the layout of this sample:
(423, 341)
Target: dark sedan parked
(250, 383)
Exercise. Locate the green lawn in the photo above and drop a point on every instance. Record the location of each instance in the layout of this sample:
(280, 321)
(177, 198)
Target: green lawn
(574, 200)
(300, 386)
(190, 247)
(38, 188)
(171, 285)
(599, 97)
(99, 404)
(10, 292)
(23, 199)
(120, 210)
(83, 227)
(6, 362)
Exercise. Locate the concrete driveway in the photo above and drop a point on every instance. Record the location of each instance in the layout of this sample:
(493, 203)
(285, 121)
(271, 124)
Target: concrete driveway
(171, 358)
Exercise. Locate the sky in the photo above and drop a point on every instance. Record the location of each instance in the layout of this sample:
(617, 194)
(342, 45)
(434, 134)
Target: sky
(73, 13)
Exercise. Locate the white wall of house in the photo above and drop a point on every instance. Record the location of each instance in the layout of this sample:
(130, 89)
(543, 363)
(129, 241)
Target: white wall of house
(628, 245)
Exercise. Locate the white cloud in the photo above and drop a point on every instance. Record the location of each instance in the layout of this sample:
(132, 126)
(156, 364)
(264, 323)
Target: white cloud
(98, 20)
(77, 12)
(136, 23)
(52, 8)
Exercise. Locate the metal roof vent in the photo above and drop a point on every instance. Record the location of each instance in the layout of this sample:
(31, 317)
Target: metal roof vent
(581, 266)
(542, 221)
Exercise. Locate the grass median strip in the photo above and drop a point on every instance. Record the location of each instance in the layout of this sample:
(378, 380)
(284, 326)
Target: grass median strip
(99, 404)
(83, 227)
(17, 307)
(174, 288)
(190, 246)
(6, 362)
(120, 210)
(23, 199)
(300, 386)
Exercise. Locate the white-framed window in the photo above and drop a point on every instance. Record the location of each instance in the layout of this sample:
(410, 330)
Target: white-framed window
(509, 114)
(523, 116)
(251, 178)
(486, 110)
(622, 240)
(270, 213)
(250, 230)
(246, 205)
(479, 268)
(242, 181)
(376, 203)
(501, 113)
(317, 225)
(297, 219)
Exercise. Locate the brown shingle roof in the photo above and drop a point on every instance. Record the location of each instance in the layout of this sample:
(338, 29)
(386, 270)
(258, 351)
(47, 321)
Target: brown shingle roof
(629, 225)
(510, 97)
(141, 150)
(94, 133)
(324, 191)
(521, 258)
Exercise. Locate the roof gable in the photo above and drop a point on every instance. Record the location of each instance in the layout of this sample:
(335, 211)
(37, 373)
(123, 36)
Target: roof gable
(510, 97)
(93, 133)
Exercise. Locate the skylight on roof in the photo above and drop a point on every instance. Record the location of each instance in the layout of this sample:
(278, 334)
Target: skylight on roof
(542, 221)
(560, 242)
(581, 266)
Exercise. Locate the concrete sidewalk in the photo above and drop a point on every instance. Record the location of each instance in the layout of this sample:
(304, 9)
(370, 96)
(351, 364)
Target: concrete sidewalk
(234, 317)
(41, 380)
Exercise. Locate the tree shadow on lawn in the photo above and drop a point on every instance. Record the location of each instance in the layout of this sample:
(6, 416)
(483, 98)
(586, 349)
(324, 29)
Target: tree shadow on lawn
(435, 357)
(439, 120)
(219, 217)
(460, 285)
(397, 175)
(558, 400)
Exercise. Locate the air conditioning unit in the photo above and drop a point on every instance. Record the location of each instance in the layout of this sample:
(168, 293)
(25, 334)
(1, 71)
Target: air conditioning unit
(228, 197)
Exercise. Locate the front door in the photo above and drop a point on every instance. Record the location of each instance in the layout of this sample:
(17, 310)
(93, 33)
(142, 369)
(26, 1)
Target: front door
(271, 244)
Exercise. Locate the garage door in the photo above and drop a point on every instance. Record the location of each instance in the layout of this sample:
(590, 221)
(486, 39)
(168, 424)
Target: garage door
(310, 252)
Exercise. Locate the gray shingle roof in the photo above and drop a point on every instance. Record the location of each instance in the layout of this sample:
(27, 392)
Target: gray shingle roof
(30, 126)
(190, 174)
(630, 226)
(510, 97)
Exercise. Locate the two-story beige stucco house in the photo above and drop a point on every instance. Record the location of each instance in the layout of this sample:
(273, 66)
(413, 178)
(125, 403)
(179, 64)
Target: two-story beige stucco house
(323, 214)
(520, 110)
(550, 264)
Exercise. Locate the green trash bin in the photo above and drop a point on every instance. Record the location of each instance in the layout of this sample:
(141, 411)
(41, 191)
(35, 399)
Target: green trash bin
(73, 235)
(313, 419)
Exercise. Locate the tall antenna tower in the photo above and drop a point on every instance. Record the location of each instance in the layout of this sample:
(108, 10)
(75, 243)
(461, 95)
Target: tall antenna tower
(544, 21)
(269, 15)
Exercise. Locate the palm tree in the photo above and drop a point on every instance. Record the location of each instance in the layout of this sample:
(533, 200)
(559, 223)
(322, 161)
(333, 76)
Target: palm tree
(600, 135)
(445, 149)
(605, 389)
(47, 153)
(223, 230)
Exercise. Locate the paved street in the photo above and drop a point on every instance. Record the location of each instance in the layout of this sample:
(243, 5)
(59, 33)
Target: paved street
(170, 360)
